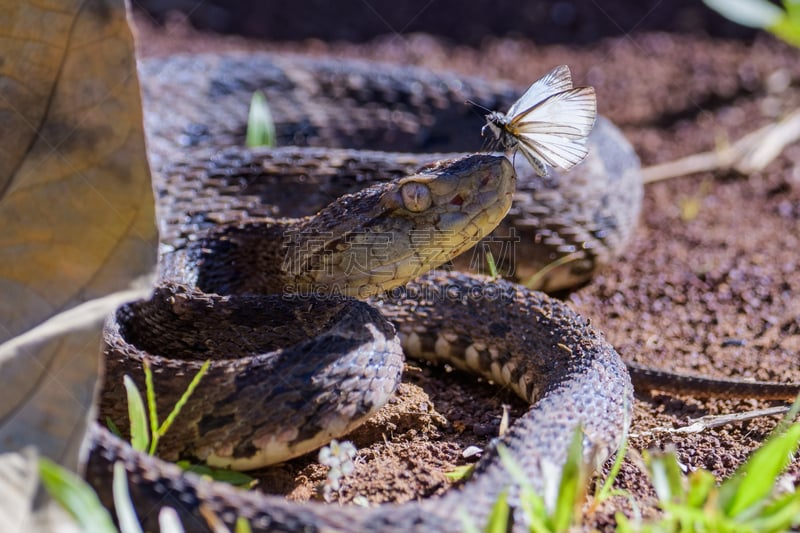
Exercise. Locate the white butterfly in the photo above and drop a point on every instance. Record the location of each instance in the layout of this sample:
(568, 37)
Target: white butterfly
(549, 123)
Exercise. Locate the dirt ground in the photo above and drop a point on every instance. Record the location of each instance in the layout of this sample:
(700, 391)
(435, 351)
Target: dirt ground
(708, 286)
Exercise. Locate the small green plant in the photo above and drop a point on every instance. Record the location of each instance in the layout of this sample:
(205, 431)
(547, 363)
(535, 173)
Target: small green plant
(499, 515)
(80, 500)
(242, 526)
(460, 473)
(145, 429)
(558, 510)
(783, 23)
(491, 265)
(260, 125)
(746, 502)
(82, 503)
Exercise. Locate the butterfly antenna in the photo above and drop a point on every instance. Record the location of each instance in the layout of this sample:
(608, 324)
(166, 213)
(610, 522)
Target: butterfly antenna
(476, 106)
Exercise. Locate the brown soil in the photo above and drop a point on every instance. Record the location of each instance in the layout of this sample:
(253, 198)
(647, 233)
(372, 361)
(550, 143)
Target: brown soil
(708, 286)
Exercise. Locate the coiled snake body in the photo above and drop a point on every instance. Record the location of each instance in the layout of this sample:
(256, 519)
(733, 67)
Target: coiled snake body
(229, 255)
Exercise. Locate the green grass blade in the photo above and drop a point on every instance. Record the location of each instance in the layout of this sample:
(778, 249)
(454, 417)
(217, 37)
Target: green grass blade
(532, 503)
(792, 8)
(460, 473)
(184, 398)
(534, 510)
(666, 476)
(755, 479)
(572, 487)
(623, 524)
(260, 124)
(513, 468)
(136, 413)
(150, 394)
(490, 263)
(242, 526)
(701, 483)
(126, 515)
(499, 515)
(76, 496)
(232, 477)
(605, 491)
(787, 29)
(112, 427)
(781, 515)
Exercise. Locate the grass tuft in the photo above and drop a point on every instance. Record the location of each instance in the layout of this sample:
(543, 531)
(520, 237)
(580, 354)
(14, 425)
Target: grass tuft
(260, 124)
(750, 501)
(145, 430)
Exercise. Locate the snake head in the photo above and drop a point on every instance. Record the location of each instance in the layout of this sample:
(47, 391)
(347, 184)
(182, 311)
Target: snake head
(390, 233)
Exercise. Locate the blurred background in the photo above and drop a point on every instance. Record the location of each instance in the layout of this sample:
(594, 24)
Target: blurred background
(545, 21)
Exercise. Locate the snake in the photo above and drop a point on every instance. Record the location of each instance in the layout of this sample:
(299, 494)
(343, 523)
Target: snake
(304, 273)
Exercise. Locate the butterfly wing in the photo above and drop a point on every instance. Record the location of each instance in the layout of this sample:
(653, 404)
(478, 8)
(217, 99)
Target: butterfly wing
(555, 129)
(538, 165)
(557, 80)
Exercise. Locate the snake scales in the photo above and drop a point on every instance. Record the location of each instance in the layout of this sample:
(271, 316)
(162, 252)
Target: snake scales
(219, 207)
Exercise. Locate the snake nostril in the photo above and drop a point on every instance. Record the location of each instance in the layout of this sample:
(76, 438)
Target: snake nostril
(457, 200)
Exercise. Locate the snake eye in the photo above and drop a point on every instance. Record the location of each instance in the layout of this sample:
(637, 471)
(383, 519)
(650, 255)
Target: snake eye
(416, 196)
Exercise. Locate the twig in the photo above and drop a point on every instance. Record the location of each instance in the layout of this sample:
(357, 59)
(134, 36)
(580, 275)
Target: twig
(703, 423)
(749, 154)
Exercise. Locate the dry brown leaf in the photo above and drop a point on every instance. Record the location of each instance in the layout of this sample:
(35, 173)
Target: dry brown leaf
(76, 210)
(76, 205)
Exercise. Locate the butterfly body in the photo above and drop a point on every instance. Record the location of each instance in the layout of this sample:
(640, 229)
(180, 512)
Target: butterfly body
(507, 138)
(549, 124)
(498, 123)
